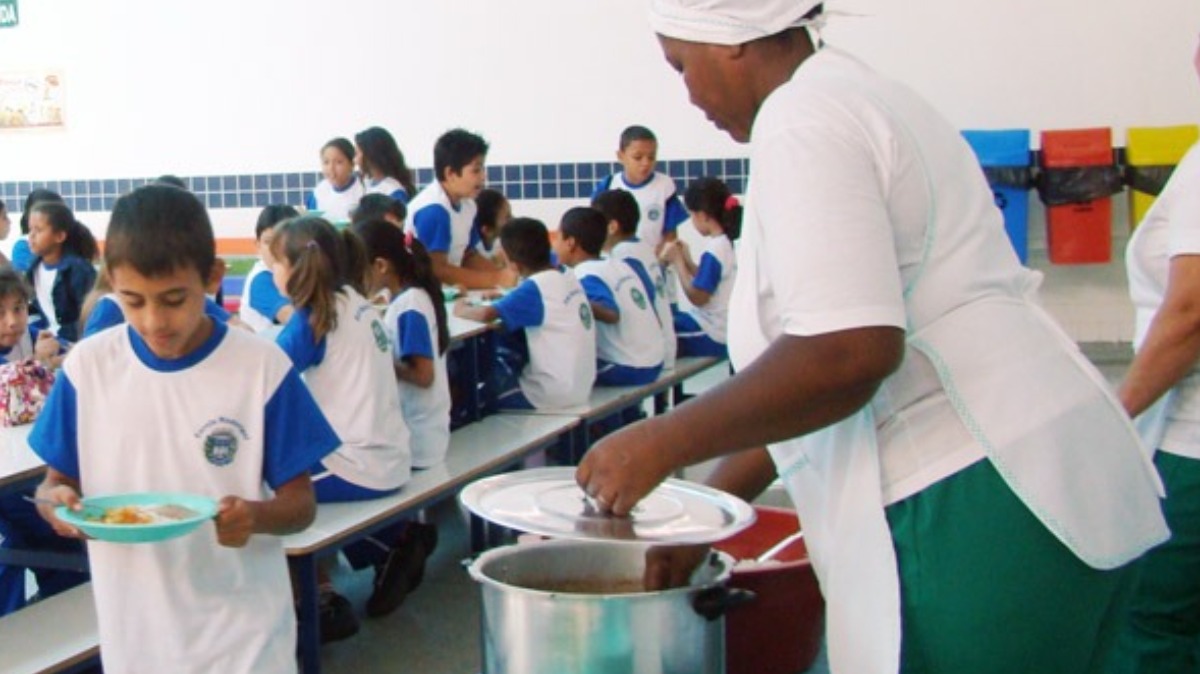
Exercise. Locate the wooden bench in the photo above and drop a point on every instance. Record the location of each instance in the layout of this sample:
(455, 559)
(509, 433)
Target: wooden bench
(57, 634)
(605, 401)
(476, 450)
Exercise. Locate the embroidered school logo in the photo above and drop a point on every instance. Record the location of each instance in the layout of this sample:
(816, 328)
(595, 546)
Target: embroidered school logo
(654, 213)
(585, 316)
(220, 447)
(638, 298)
(381, 338)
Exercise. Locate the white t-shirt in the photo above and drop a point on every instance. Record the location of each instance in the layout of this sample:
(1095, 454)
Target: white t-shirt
(255, 286)
(1171, 227)
(441, 226)
(232, 418)
(389, 186)
(660, 206)
(715, 271)
(43, 285)
(641, 257)
(411, 322)
(635, 340)
(336, 204)
(349, 372)
(560, 330)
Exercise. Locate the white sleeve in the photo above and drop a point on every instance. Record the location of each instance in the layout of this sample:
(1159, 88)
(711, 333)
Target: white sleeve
(827, 237)
(1183, 191)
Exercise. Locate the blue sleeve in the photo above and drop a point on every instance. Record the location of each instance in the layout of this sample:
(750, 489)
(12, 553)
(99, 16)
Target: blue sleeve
(400, 195)
(432, 225)
(22, 255)
(640, 270)
(676, 214)
(521, 308)
(105, 314)
(215, 311)
(55, 434)
(412, 335)
(299, 343)
(265, 297)
(296, 434)
(601, 186)
(310, 201)
(598, 291)
(708, 274)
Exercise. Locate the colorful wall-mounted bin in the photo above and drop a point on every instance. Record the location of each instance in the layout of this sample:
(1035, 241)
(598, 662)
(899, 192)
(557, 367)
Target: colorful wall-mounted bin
(1004, 155)
(1076, 179)
(1151, 154)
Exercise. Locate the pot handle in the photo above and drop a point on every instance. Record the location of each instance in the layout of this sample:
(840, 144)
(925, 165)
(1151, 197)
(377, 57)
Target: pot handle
(715, 602)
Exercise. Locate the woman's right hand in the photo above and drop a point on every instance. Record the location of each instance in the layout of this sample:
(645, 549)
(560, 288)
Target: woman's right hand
(671, 566)
(64, 495)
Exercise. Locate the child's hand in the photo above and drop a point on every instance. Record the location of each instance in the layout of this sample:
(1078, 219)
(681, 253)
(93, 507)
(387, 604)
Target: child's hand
(235, 521)
(63, 495)
(47, 347)
(669, 252)
(461, 307)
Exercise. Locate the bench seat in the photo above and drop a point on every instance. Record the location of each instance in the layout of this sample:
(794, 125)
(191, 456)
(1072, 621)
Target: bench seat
(56, 634)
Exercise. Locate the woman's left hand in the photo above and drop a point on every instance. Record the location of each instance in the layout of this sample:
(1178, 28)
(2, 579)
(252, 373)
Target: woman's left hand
(622, 468)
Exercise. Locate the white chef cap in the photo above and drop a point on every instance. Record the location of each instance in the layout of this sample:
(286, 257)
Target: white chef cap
(729, 22)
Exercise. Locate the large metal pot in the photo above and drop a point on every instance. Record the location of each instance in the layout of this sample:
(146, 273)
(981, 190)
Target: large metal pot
(568, 607)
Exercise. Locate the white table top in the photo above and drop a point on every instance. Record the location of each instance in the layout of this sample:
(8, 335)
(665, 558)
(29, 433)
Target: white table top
(17, 461)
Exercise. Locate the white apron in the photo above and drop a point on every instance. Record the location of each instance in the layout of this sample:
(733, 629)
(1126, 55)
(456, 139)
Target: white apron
(1042, 415)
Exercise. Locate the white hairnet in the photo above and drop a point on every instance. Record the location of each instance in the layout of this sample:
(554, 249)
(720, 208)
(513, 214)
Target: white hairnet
(728, 22)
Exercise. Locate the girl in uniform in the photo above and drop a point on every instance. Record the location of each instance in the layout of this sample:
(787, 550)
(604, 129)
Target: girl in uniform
(337, 341)
(63, 271)
(338, 193)
(382, 165)
(702, 320)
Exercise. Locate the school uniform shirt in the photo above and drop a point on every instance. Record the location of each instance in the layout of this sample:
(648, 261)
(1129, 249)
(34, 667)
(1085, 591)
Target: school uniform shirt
(645, 264)
(349, 372)
(1171, 227)
(23, 349)
(107, 312)
(552, 308)
(22, 255)
(441, 226)
(635, 340)
(335, 203)
(919, 246)
(261, 300)
(389, 186)
(411, 323)
(660, 205)
(715, 272)
(230, 418)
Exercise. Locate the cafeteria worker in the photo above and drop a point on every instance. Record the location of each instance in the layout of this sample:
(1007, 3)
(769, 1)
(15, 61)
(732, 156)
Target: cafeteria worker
(972, 495)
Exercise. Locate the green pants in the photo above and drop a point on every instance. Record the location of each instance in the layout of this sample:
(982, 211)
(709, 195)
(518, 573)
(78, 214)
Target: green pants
(1163, 632)
(986, 588)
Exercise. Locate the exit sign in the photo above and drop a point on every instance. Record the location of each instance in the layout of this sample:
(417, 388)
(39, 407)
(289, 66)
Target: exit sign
(8, 14)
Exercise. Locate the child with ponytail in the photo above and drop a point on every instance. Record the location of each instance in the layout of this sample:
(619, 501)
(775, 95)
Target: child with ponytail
(415, 320)
(63, 270)
(336, 340)
(701, 321)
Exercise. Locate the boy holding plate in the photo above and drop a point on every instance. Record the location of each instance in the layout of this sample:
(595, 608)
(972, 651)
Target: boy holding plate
(177, 402)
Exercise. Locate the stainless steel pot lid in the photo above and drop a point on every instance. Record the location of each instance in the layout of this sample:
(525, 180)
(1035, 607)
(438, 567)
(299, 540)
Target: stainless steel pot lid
(547, 501)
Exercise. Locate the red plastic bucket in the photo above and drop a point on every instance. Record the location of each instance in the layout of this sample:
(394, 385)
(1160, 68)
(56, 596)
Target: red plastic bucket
(780, 632)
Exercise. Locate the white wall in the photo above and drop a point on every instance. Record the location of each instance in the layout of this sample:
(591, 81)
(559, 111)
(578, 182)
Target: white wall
(229, 86)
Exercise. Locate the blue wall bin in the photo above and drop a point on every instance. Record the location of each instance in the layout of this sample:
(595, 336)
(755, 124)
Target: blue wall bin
(1007, 149)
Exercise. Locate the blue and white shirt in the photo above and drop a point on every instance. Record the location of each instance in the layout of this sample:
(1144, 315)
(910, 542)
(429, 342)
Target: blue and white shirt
(714, 275)
(645, 264)
(349, 372)
(389, 186)
(335, 203)
(441, 226)
(230, 418)
(552, 308)
(662, 209)
(411, 322)
(261, 300)
(635, 340)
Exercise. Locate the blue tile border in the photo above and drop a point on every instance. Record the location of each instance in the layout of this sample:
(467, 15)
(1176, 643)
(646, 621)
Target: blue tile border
(562, 180)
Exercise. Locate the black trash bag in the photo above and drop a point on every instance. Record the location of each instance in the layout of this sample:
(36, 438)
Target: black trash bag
(1148, 179)
(1077, 185)
(1016, 177)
